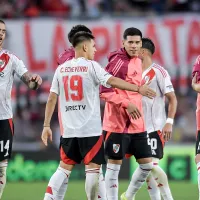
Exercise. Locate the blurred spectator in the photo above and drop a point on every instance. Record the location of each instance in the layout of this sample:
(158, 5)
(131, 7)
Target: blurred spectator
(58, 7)
(93, 8)
(184, 5)
(32, 9)
(7, 10)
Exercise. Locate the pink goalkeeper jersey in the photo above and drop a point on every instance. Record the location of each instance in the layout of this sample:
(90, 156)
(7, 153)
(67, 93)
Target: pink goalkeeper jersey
(116, 118)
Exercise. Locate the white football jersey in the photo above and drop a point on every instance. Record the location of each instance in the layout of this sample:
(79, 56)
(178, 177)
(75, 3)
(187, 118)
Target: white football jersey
(9, 66)
(77, 84)
(154, 109)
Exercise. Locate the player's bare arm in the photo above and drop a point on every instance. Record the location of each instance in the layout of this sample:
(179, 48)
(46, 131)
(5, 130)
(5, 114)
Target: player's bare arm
(123, 85)
(33, 81)
(50, 107)
(167, 130)
(195, 84)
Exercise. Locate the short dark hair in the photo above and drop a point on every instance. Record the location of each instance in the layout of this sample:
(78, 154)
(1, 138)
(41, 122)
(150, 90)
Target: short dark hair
(80, 37)
(2, 22)
(76, 29)
(132, 32)
(148, 44)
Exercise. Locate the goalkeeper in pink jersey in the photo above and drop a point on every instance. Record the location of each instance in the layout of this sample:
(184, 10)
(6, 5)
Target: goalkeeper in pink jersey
(196, 87)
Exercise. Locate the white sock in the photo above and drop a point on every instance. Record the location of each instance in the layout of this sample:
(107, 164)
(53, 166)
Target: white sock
(111, 181)
(198, 169)
(102, 187)
(153, 190)
(3, 167)
(63, 188)
(162, 181)
(138, 178)
(91, 183)
(56, 182)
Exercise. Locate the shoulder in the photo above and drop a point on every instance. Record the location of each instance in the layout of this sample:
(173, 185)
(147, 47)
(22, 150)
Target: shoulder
(66, 55)
(94, 63)
(159, 70)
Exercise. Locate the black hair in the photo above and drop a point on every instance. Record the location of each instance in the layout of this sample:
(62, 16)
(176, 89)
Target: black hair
(1, 21)
(76, 29)
(80, 37)
(132, 32)
(148, 44)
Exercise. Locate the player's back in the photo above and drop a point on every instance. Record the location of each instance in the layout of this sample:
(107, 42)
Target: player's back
(154, 109)
(79, 103)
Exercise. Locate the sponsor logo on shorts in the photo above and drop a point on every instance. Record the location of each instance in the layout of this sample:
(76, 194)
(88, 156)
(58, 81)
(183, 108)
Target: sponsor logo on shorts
(116, 148)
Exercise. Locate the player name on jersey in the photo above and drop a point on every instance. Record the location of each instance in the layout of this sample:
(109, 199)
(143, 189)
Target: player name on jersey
(74, 69)
(75, 107)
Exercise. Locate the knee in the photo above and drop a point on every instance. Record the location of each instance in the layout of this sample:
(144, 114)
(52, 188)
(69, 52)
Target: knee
(147, 166)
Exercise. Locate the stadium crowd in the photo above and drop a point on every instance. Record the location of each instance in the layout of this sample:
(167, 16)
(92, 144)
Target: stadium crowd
(93, 8)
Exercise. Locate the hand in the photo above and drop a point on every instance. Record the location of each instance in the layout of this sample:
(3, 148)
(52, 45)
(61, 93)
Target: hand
(46, 134)
(133, 111)
(167, 132)
(35, 81)
(145, 90)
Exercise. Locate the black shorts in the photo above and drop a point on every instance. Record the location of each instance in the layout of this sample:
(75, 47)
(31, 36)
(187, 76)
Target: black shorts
(6, 138)
(117, 145)
(157, 144)
(198, 142)
(88, 149)
(139, 146)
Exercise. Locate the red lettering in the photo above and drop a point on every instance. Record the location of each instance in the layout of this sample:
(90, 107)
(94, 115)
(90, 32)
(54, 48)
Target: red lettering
(34, 65)
(173, 26)
(193, 41)
(102, 41)
(59, 44)
(151, 33)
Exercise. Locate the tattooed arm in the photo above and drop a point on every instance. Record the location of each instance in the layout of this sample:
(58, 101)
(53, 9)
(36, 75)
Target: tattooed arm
(33, 81)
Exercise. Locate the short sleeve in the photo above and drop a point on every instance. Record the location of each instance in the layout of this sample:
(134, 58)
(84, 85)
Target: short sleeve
(18, 66)
(55, 84)
(100, 75)
(164, 81)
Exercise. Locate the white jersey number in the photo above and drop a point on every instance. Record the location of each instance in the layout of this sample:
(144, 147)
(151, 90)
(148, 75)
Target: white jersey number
(6, 146)
(74, 86)
(153, 143)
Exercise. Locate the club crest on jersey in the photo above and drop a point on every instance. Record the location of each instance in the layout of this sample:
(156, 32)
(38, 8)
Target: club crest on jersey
(2, 63)
(116, 148)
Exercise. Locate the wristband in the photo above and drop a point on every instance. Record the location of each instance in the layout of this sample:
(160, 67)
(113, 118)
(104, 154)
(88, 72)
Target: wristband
(170, 121)
(45, 126)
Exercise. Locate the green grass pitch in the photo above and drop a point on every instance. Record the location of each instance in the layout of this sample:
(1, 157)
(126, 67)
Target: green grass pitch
(35, 191)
